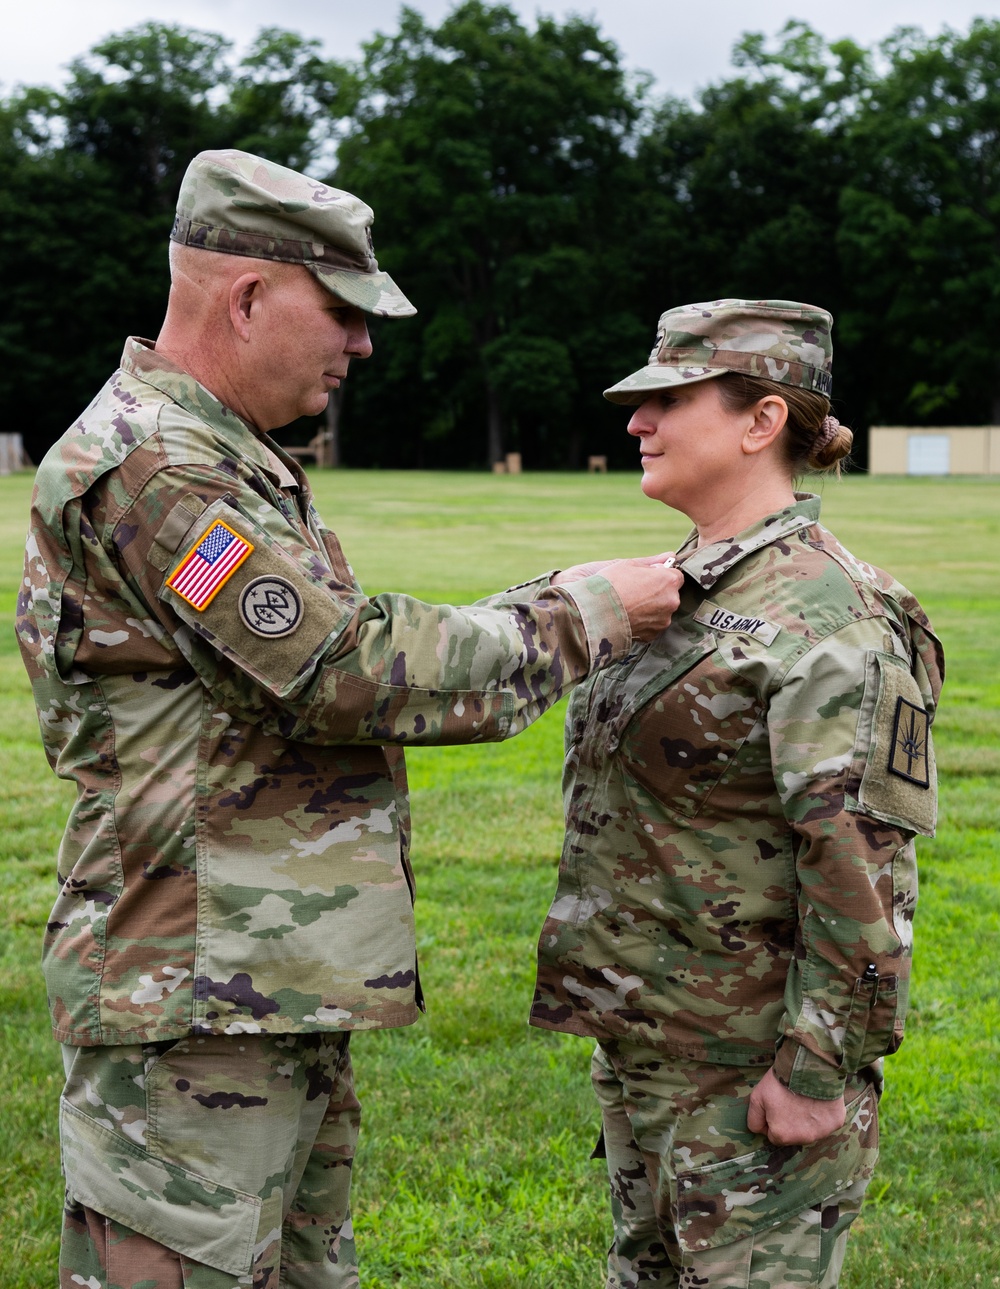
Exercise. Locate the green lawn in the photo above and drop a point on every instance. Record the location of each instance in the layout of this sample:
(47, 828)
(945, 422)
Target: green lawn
(474, 1166)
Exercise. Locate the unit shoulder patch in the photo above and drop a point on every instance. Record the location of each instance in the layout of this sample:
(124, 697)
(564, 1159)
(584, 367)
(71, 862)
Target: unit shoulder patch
(908, 752)
(271, 607)
(209, 565)
(720, 619)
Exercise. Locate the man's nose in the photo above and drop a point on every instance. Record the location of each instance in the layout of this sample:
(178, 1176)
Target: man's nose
(359, 343)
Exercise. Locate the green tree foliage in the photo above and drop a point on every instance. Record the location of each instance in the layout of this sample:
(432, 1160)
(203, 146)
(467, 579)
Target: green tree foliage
(743, 187)
(89, 180)
(285, 100)
(498, 162)
(140, 104)
(920, 229)
(755, 167)
(88, 183)
(539, 205)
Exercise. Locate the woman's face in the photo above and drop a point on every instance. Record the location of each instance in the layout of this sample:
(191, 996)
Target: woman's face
(690, 444)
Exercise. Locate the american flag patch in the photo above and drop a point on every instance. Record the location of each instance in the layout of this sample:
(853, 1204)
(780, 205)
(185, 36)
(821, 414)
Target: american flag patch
(207, 567)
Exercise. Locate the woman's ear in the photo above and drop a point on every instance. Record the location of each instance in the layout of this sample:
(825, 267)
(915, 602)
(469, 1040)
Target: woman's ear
(770, 416)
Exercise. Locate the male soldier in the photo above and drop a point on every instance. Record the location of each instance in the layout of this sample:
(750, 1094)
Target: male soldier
(235, 896)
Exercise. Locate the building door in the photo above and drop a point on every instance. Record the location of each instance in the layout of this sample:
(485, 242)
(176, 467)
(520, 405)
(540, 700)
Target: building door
(928, 454)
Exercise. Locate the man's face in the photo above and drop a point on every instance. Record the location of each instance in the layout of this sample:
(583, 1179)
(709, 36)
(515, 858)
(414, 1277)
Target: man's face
(301, 345)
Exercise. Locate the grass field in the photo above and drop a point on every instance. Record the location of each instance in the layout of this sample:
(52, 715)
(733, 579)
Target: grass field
(474, 1168)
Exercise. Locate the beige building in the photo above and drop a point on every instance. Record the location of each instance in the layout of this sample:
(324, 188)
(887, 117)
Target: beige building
(954, 449)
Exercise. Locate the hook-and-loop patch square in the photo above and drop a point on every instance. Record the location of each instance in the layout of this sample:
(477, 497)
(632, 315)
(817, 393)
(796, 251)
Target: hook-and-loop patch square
(893, 761)
(209, 565)
(908, 752)
(263, 611)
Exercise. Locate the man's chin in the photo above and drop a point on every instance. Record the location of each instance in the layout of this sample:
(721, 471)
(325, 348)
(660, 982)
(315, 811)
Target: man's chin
(315, 405)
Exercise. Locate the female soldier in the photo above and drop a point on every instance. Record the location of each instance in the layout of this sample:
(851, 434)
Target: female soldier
(733, 916)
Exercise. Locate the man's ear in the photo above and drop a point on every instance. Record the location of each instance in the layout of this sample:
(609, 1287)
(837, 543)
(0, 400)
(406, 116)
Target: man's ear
(770, 416)
(244, 295)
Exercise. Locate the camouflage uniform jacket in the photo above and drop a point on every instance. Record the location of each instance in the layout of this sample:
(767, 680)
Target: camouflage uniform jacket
(235, 859)
(741, 798)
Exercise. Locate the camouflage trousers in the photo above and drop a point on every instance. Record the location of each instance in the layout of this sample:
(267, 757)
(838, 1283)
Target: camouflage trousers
(209, 1163)
(697, 1200)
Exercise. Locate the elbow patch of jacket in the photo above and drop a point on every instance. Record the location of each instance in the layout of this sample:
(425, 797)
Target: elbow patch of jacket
(236, 587)
(893, 776)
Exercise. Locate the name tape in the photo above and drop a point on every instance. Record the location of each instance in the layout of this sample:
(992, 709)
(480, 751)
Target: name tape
(720, 619)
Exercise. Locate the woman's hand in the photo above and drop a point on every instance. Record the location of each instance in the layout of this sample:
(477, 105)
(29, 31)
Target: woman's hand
(788, 1119)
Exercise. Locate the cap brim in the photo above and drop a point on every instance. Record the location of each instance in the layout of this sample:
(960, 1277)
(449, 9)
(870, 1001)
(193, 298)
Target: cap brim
(635, 389)
(374, 292)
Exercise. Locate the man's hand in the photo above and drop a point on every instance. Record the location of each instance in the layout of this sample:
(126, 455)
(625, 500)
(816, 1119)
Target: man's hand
(649, 588)
(601, 565)
(788, 1119)
(582, 570)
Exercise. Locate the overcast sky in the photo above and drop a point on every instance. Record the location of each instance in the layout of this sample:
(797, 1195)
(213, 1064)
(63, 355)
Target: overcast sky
(685, 46)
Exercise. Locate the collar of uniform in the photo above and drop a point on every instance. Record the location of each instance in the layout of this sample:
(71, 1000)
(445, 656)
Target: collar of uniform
(707, 564)
(280, 466)
(141, 361)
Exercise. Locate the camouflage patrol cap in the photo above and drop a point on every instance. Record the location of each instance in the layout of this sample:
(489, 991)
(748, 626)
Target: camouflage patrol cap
(239, 204)
(774, 339)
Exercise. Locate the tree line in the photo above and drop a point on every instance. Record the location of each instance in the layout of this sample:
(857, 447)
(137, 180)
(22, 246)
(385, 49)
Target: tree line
(540, 204)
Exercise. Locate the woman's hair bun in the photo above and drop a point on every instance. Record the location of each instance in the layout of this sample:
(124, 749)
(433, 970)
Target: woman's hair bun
(831, 444)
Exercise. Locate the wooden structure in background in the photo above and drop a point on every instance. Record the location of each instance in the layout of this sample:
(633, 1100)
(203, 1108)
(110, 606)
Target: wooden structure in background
(12, 454)
(320, 447)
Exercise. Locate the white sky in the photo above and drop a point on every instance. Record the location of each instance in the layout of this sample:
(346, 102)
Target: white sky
(685, 46)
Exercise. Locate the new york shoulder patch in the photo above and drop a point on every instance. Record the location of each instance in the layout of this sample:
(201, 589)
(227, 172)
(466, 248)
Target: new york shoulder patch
(908, 751)
(209, 565)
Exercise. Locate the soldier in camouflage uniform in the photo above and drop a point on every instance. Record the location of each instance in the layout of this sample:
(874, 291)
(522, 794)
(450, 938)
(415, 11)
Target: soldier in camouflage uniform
(235, 896)
(733, 915)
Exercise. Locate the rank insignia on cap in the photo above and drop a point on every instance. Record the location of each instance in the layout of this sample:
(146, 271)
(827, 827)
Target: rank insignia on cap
(209, 565)
(908, 753)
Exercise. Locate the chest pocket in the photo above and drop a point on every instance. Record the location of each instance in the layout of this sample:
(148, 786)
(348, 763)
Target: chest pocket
(600, 711)
(683, 725)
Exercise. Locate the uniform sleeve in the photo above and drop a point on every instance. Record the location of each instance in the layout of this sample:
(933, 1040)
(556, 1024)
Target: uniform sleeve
(850, 744)
(262, 618)
(523, 591)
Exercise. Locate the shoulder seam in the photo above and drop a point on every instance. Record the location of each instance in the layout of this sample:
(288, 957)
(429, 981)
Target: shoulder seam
(116, 512)
(869, 616)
